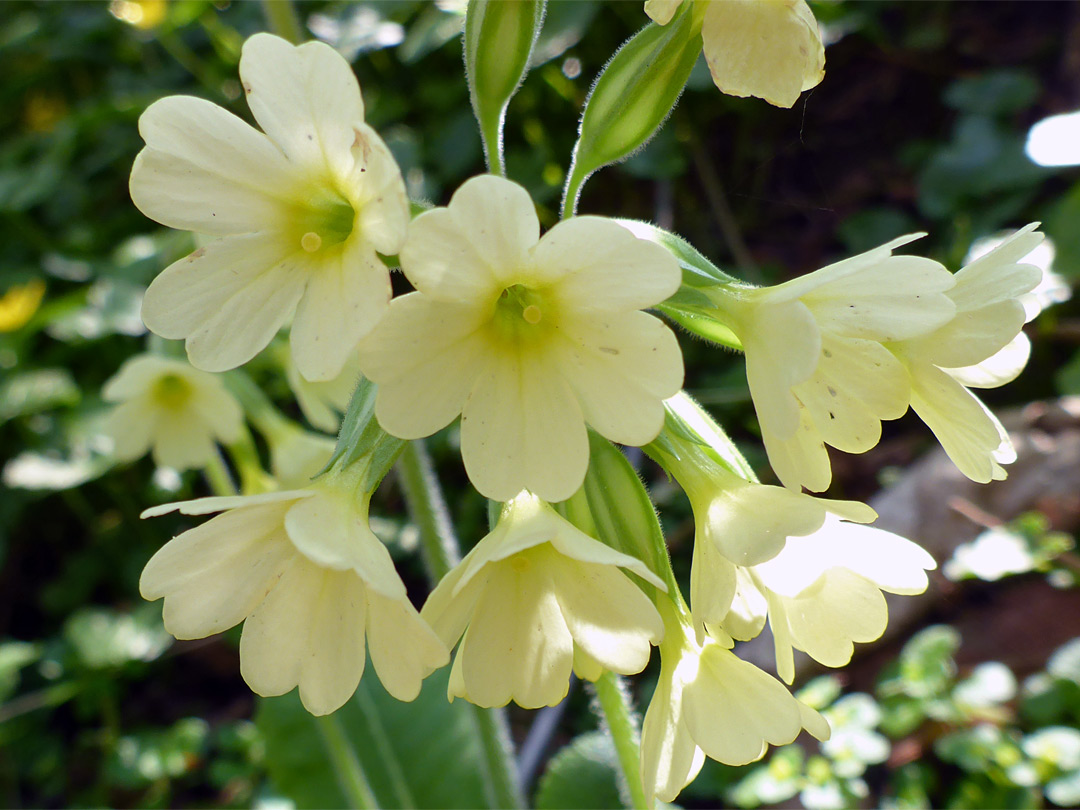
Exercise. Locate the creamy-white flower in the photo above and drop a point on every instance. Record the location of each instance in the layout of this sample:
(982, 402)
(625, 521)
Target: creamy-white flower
(709, 702)
(301, 209)
(310, 581)
(822, 593)
(322, 403)
(770, 49)
(981, 347)
(528, 339)
(175, 411)
(815, 361)
(535, 599)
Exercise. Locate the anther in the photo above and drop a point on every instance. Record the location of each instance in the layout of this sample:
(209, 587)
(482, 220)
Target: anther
(531, 314)
(311, 241)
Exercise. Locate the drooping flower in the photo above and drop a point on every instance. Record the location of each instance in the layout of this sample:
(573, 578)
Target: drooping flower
(310, 581)
(301, 209)
(815, 361)
(981, 347)
(822, 593)
(709, 702)
(535, 599)
(770, 49)
(171, 409)
(528, 339)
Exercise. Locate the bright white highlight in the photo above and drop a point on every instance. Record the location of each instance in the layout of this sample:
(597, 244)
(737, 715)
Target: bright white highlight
(1055, 141)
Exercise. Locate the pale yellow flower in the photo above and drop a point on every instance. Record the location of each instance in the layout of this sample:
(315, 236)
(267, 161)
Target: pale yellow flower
(770, 49)
(709, 702)
(322, 403)
(310, 581)
(815, 361)
(822, 593)
(529, 339)
(981, 347)
(301, 212)
(535, 599)
(171, 409)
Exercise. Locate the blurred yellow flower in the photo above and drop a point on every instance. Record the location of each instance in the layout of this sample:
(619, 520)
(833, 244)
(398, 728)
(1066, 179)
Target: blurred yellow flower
(982, 347)
(19, 303)
(529, 339)
(310, 581)
(815, 361)
(709, 702)
(144, 14)
(770, 49)
(534, 599)
(302, 212)
(175, 411)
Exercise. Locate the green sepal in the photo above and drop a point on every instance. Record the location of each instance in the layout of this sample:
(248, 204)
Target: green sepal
(701, 322)
(681, 445)
(499, 39)
(361, 435)
(697, 270)
(632, 97)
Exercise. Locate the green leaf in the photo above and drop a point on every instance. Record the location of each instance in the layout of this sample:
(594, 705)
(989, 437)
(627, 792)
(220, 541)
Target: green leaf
(633, 96)
(14, 655)
(105, 638)
(424, 754)
(499, 39)
(583, 774)
(361, 435)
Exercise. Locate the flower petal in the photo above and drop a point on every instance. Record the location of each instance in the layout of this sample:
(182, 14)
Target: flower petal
(206, 170)
(606, 267)
(379, 192)
(995, 371)
(474, 247)
(968, 432)
(426, 356)
(346, 296)
(182, 440)
(204, 506)
(131, 425)
(669, 757)
(783, 345)
(971, 337)
(518, 646)
(522, 428)
(607, 614)
(305, 98)
(802, 460)
(621, 367)
(404, 649)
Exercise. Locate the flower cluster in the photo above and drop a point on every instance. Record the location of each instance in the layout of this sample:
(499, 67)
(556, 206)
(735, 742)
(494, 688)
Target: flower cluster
(540, 346)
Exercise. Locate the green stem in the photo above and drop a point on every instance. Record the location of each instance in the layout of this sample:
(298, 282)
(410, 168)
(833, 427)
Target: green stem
(440, 551)
(622, 723)
(350, 773)
(217, 475)
(283, 20)
(492, 135)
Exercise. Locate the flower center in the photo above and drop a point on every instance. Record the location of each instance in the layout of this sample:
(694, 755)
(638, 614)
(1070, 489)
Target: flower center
(520, 311)
(172, 391)
(325, 222)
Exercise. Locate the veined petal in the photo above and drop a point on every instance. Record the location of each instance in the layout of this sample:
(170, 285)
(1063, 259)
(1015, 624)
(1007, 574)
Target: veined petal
(330, 533)
(206, 170)
(517, 646)
(426, 356)
(898, 298)
(783, 345)
(971, 337)
(712, 586)
(376, 182)
(404, 649)
(669, 757)
(470, 249)
(347, 294)
(621, 367)
(608, 615)
(802, 460)
(840, 608)
(522, 428)
(769, 50)
(305, 98)
(732, 708)
(607, 268)
(1002, 368)
(967, 431)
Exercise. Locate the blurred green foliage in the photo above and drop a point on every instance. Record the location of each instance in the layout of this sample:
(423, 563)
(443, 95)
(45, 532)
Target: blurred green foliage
(920, 123)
